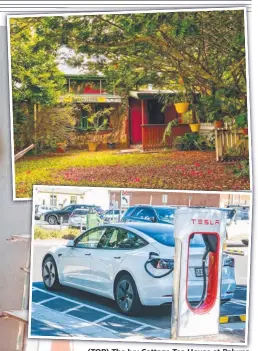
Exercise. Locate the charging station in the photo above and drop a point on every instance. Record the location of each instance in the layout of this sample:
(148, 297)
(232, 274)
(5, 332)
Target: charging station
(202, 317)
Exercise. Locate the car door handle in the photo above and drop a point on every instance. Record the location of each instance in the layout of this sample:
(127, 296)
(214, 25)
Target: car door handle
(117, 257)
(87, 254)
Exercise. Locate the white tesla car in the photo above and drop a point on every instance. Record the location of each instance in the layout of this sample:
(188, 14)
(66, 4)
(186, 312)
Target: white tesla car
(131, 263)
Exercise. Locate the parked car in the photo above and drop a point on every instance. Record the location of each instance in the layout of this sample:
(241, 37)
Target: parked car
(54, 217)
(78, 218)
(113, 216)
(149, 213)
(40, 209)
(109, 260)
(230, 212)
(239, 226)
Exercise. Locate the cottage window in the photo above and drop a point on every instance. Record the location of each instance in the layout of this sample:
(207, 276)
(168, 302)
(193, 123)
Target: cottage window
(155, 112)
(86, 124)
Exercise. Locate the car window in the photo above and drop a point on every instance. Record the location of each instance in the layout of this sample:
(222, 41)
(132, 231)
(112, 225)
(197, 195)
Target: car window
(111, 212)
(166, 237)
(166, 214)
(90, 239)
(81, 212)
(129, 211)
(144, 213)
(242, 215)
(119, 238)
(67, 208)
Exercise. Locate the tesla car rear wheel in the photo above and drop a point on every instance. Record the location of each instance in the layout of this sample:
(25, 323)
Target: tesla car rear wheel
(127, 297)
(50, 274)
(52, 220)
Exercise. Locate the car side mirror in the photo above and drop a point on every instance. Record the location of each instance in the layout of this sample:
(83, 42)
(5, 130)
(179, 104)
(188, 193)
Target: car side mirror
(153, 219)
(70, 243)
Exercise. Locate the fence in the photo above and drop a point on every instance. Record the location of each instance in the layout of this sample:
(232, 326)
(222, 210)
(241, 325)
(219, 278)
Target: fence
(230, 144)
(152, 135)
(64, 223)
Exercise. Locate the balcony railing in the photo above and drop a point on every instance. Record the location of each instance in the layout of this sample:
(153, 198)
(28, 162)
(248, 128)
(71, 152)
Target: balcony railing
(152, 135)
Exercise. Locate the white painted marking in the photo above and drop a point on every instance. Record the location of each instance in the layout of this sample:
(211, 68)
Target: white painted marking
(233, 326)
(46, 300)
(140, 328)
(103, 311)
(72, 309)
(103, 318)
(238, 302)
(70, 325)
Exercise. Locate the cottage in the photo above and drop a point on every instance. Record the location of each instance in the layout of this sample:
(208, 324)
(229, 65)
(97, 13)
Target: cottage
(136, 120)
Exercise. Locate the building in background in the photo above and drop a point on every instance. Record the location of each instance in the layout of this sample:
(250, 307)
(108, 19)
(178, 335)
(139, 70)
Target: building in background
(64, 196)
(127, 198)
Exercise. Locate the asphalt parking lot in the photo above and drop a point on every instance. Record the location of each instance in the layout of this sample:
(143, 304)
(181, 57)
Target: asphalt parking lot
(70, 312)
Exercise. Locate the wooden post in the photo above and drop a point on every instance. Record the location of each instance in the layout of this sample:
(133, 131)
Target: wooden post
(35, 123)
(217, 145)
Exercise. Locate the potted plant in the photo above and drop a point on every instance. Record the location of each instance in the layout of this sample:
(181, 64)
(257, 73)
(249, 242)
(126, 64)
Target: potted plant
(181, 102)
(241, 122)
(195, 124)
(218, 122)
(111, 142)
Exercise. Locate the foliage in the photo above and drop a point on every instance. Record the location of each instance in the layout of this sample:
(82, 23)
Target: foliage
(194, 141)
(233, 152)
(66, 233)
(99, 119)
(242, 169)
(36, 79)
(241, 120)
(201, 52)
(54, 125)
(190, 170)
(168, 130)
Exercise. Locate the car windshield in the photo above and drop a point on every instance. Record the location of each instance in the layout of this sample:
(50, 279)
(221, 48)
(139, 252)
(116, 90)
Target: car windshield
(166, 214)
(166, 237)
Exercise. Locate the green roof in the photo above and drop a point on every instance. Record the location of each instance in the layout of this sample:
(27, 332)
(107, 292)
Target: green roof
(84, 77)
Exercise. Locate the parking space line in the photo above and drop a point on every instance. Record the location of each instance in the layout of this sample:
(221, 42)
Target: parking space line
(59, 326)
(72, 309)
(101, 310)
(238, 302)
(103, 318)
(46, 300)
(140, 328)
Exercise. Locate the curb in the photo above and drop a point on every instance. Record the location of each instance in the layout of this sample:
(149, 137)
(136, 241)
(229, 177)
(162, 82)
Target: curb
(234, 252)
(232, 319)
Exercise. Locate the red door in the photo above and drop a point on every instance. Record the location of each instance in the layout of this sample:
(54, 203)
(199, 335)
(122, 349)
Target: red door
(135, 121)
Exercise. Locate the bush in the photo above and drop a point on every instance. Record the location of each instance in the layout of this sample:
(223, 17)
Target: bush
(194, 141)
(67, 233)
(242, 169)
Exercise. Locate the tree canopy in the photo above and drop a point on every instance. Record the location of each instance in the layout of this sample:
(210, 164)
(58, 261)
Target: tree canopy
(201, 51)
(204, 48)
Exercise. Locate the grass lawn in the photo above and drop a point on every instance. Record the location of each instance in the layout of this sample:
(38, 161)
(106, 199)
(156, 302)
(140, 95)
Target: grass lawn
(176, 170)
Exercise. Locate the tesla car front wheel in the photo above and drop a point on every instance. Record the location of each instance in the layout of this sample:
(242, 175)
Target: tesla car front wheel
(50, 274)
(126, 295)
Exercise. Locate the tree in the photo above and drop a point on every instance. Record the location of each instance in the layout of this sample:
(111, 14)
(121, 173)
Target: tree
(200, 51)
(36, 80)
